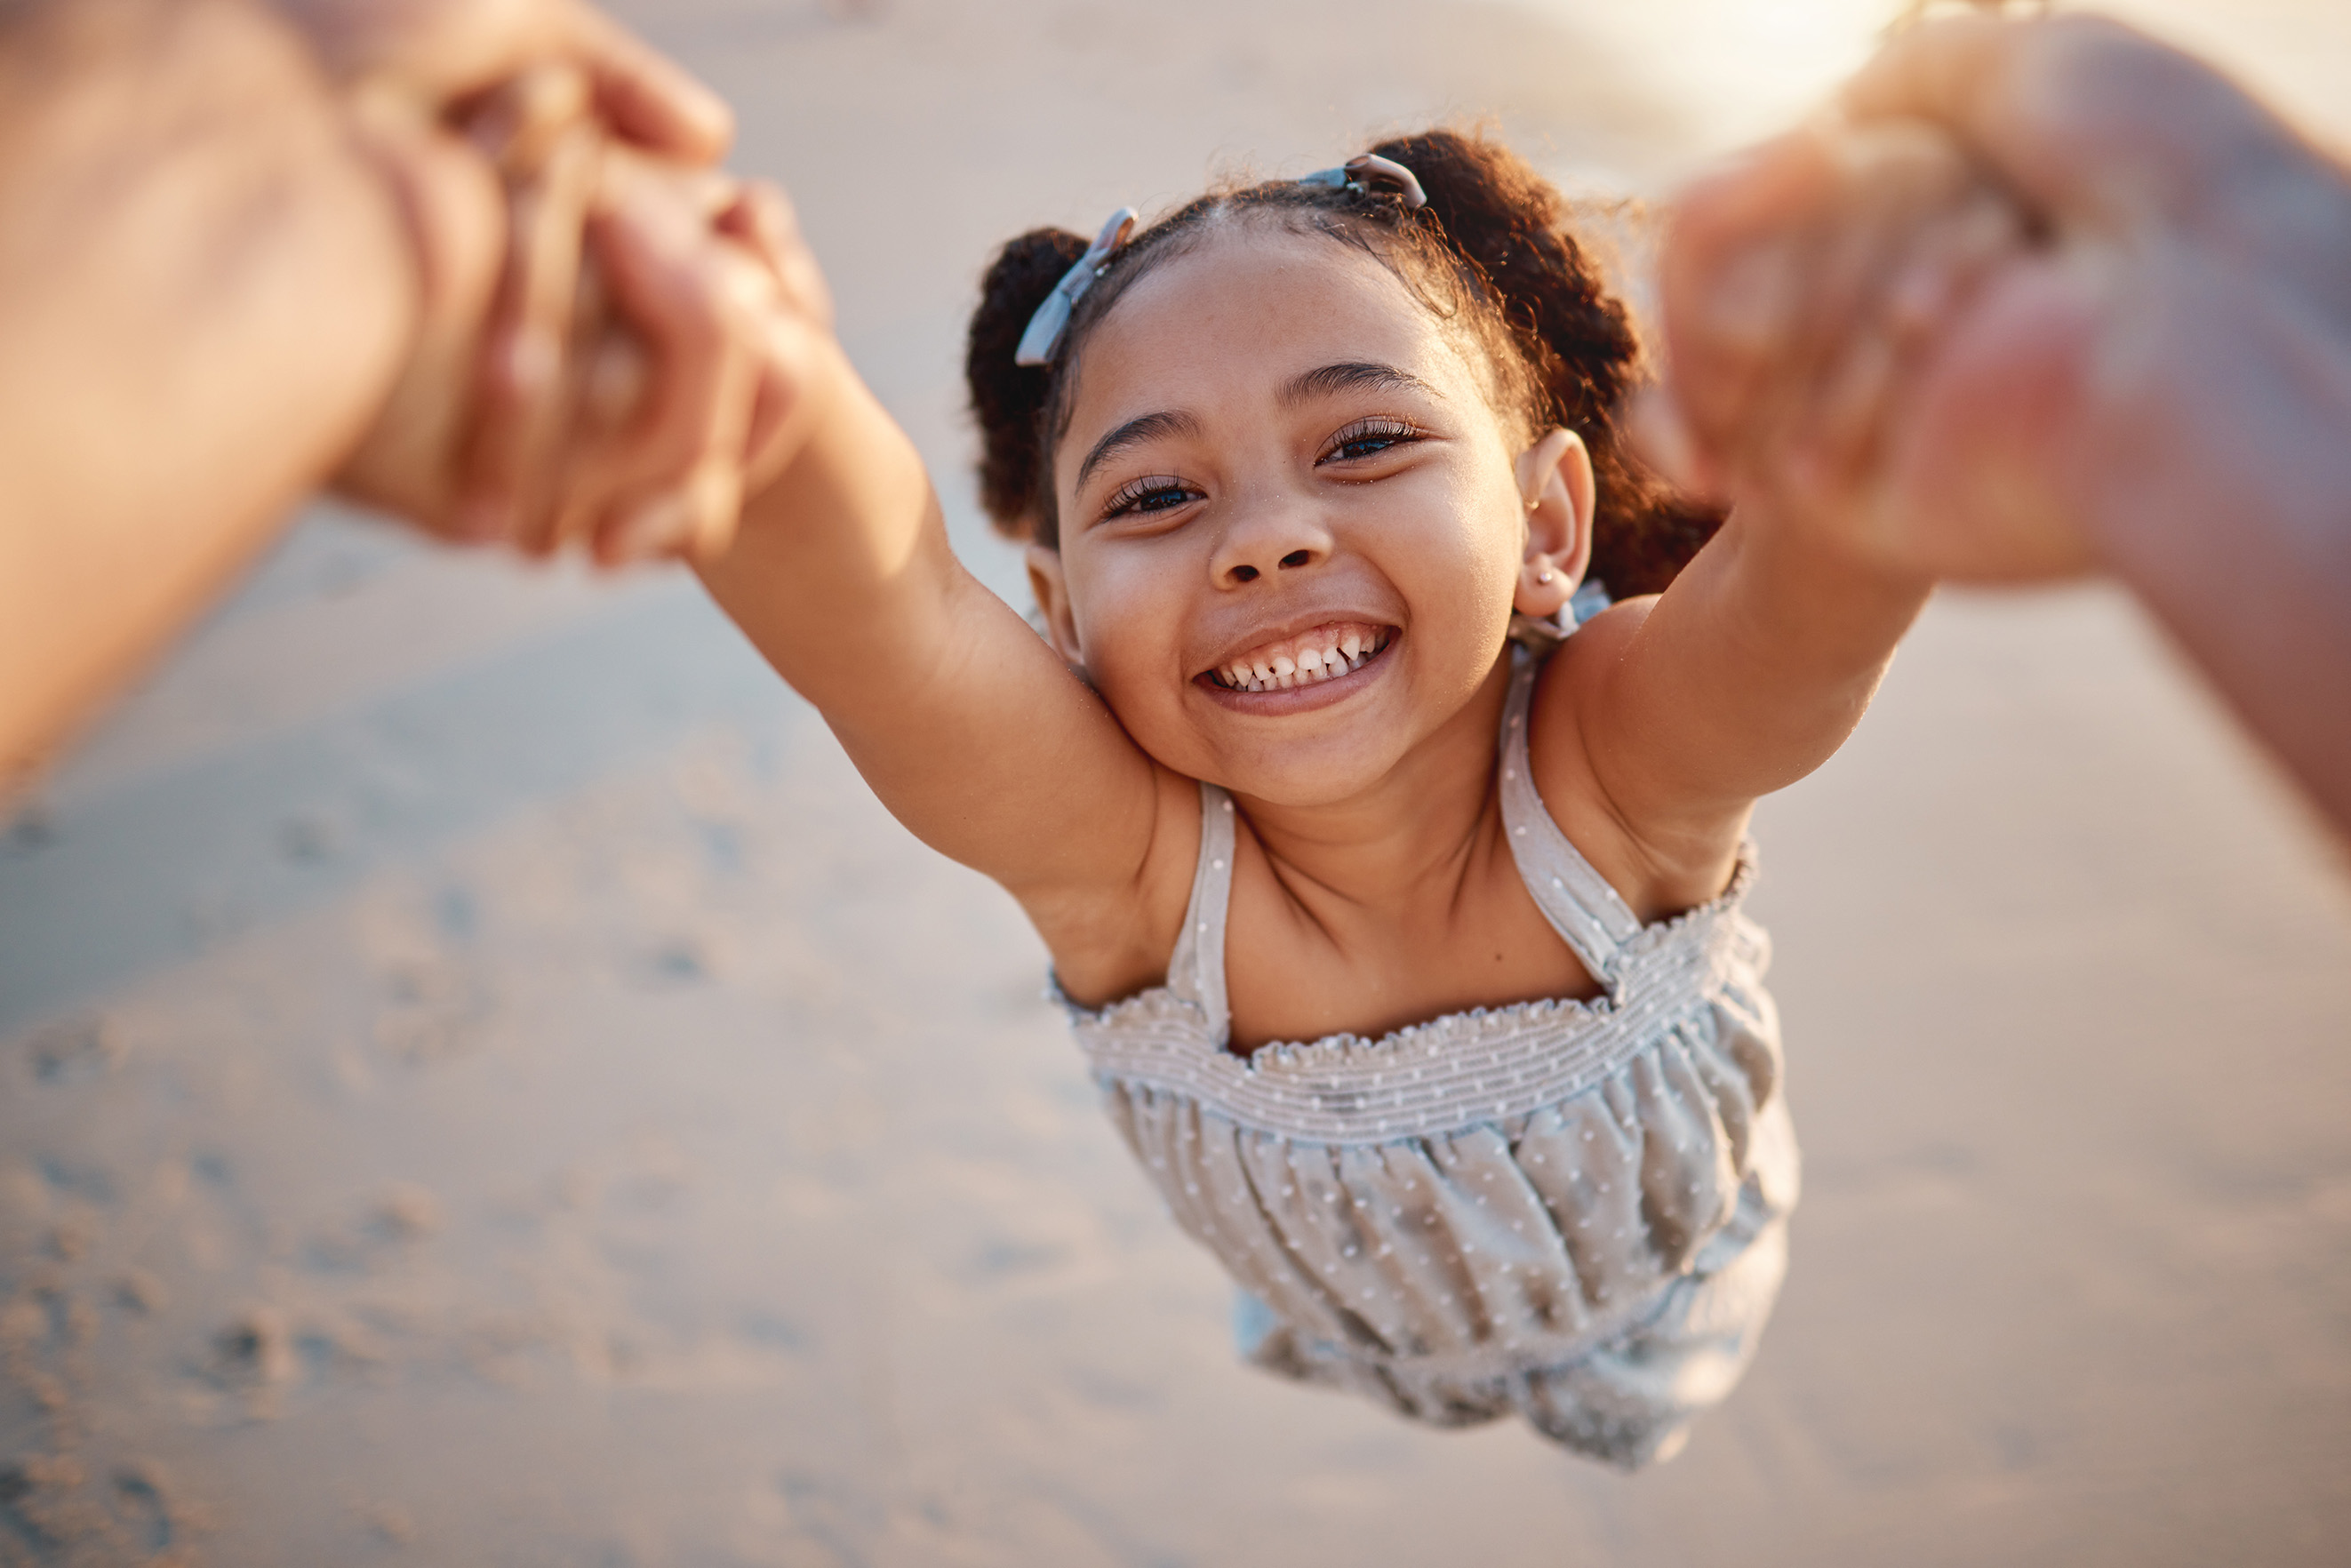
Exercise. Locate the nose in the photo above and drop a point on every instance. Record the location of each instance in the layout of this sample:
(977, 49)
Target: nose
(1266, 537)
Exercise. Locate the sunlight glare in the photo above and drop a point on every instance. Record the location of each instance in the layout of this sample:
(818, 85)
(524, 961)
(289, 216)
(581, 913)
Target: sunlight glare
(1735, 69)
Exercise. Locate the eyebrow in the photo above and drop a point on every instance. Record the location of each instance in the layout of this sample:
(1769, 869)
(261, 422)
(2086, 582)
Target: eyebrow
(1354, 375)
(1134, 433)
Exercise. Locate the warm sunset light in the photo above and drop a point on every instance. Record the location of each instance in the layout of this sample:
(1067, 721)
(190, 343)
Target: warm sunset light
(1738, 68)
(1521, 782)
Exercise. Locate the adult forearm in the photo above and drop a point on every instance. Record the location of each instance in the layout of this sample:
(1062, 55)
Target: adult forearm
(2226, 504)
(205, 292)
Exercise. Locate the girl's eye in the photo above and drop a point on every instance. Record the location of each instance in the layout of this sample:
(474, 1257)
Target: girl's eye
(1368, 438)
(1140, 496)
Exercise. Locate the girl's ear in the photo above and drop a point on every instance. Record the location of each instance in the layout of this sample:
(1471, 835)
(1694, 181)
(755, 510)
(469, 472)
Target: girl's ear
(1556, 487)
(1052, 590)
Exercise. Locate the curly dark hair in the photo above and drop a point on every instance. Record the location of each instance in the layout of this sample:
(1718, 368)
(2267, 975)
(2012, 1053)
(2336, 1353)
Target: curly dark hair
(1490, 254)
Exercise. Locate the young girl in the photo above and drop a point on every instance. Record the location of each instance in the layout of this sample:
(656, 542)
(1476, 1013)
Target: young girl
(1392, 883)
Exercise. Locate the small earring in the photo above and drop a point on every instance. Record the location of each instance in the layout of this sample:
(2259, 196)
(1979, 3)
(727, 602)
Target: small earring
(1543, 576)
(1535, 505)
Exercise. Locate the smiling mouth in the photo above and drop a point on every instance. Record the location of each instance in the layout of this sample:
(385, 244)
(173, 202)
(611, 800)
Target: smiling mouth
(1325, 654)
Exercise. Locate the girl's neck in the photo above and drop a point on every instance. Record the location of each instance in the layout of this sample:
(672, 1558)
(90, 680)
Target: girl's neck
(1382, 848)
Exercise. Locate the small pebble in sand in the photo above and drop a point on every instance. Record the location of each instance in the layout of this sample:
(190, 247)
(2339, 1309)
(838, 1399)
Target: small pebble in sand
(137, 1290)
(22, 1322)
(408, 1212)
(75, 1051)
(144, 1504)
(254, 1349)
(389, 1524)
(310, 837)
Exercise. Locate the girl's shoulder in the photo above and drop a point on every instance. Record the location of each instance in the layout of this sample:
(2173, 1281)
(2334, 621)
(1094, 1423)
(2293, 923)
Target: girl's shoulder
(1111, 939)
(1599, 810)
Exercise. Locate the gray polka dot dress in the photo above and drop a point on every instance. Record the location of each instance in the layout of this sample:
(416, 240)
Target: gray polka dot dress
(1575, 1211)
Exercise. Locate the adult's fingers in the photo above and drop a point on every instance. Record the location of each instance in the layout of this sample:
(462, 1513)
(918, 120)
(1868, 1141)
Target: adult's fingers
(519, 409)
(656, 264)
(1733, 275)
(1908, 222)
(456, 214)
(648, 98)
(449, 52)
(2088, 120)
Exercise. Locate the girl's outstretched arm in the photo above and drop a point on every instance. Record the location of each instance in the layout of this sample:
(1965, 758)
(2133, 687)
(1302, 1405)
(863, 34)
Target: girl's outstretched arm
(963, 720)
(1673, 715)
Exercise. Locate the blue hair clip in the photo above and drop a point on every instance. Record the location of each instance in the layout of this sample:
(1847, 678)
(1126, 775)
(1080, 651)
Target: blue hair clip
(1043, 335)
(1052, 317)
(1362, 173)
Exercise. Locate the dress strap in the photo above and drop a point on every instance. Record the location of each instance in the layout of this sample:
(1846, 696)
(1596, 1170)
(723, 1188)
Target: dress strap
(1195, 972)
(1577, 900)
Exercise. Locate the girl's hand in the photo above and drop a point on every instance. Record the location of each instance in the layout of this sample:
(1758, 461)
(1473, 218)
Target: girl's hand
(485, 119)
(1805, 292)
(624, 372)
(672, 429)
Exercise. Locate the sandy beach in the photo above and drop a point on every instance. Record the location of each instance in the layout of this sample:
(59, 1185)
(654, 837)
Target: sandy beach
(482, 1083)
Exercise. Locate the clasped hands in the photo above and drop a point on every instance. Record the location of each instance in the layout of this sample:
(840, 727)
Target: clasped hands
(607, 327)
(1911, 325)
(1974, 321)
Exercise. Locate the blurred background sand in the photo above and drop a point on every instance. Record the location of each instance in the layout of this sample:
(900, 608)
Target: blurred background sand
(481, 1082)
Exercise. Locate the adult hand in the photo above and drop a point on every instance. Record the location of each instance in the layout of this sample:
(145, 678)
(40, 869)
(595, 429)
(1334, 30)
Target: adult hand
(2183, 239)
(446, 53)
(661, 452)
(488, 117)
(1791, 362)
(2156, 381)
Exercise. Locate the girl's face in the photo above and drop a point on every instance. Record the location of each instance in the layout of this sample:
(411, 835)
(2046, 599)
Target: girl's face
(1292, 525)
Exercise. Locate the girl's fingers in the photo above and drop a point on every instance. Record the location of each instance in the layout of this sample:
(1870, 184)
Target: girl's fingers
(666, 294)
(761, 217)
(699, 514)
(686, 344)
(704, 309)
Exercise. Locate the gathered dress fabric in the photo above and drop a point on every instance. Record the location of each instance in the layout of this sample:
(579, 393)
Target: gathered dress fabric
(1574, 1211)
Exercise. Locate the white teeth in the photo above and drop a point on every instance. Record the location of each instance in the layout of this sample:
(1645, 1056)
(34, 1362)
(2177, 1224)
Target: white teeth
(1348, 651)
